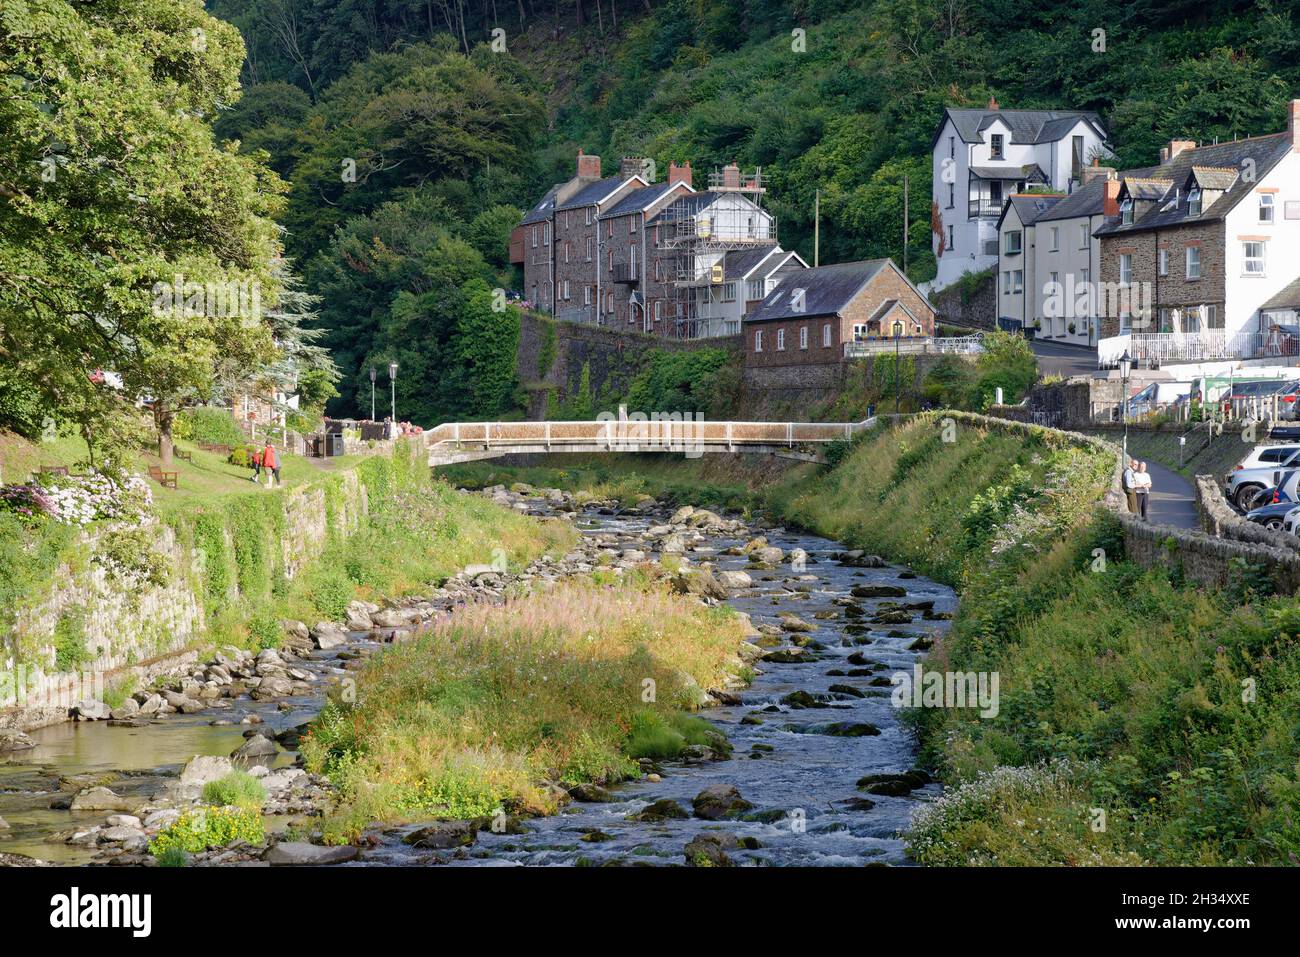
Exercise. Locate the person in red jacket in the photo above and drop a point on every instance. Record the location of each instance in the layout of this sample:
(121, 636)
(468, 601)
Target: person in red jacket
(271, 462)
(256, 459)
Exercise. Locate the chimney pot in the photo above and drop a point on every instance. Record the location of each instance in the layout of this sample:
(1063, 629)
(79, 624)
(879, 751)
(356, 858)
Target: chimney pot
(679, 174)
(632, 166)
(1177, 146)
(731, 176)
(993, 103)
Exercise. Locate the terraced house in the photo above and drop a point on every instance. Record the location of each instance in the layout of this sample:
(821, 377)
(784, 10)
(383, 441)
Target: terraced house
(659, 258)
(1211, 240)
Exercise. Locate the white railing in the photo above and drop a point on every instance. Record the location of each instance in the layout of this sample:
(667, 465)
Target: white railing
(963, 345)
(1143, 347)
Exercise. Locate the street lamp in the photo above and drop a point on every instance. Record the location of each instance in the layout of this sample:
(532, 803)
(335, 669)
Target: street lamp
(1125, 367)
(392, 376)
(898, 373)
(372, 393)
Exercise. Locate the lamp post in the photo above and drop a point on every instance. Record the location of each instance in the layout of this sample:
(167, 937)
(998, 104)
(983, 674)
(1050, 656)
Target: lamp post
(1125, 367)
(898, 372)
(392, 377)
(372, 393)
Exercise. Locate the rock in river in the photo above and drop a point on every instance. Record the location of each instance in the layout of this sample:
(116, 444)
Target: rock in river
(719, 801)
(299, 854)
(442, 835)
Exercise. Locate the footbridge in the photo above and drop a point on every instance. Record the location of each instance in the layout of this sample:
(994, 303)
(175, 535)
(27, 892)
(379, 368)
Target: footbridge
(467, 441)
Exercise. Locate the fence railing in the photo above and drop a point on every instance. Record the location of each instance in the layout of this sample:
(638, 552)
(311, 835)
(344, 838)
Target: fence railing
(962, 345)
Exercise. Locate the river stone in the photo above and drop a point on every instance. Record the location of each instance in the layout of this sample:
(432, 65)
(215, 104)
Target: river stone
(282, 780)
(878, 591)
(90, 710)
(735, 579)
(894, 785)
(123, 820)
(99, 799)
(255, 747)
(442, 835)
(201, 770)
(477, 571)
(699, 582)
(769, 555)
(591, 793)
(892, 618)
(327, 635)
(272, 686)
(682, 514)
(705, 850)
(859, 559)
(792, 622)
(162, 818)
(719, 801)
(12, 740)
(132, 838)
(388, 618)
(299, 854)
(662, 810)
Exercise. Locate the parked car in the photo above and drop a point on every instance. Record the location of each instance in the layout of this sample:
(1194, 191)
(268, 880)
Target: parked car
(1285, 433)
(1289, 521)
(1287, 393)
(1271, 516)
(1257, 471)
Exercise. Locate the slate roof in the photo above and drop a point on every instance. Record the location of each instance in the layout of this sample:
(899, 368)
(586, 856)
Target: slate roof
(1028, 171)
(689, 205)
(543, 210)
(1088, 199)
(1212, 177)
(639, 199)
(827, 290)
(884, 309)
(1027, 126)
(739, 262)
(1029, 208)
(1288, 298)
(1264, 152)
(594, 192)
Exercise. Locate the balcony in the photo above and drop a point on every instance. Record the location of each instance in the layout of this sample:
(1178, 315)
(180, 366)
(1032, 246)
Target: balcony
(627, 273)
(1157, 348)
(984, 208)
(916, 345)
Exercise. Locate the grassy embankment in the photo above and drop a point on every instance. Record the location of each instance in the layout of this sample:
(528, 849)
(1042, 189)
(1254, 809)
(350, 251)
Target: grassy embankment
(1169, 708)
(499, 705)
(416, 532)
(1198, 458)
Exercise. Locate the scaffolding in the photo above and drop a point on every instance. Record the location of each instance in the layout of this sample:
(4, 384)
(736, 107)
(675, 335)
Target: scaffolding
(697, 230)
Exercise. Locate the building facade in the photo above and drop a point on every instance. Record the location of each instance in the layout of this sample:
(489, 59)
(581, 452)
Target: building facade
(981, 157)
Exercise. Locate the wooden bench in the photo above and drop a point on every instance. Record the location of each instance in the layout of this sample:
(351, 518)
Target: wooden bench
(183, 456)
(165, 479)
(219, 449)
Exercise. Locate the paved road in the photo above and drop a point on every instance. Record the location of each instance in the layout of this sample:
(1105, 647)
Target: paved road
(1056, 358)
(1172, 500)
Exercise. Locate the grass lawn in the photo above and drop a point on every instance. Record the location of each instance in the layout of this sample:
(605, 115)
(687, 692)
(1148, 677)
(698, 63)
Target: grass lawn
(206, 476)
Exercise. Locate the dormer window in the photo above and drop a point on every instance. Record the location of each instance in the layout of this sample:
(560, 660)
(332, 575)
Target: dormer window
(1126, 212)
(1194, 201)
(995, 146)
(1266, 207)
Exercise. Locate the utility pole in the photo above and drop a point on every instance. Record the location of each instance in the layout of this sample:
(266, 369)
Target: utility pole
(392, 375)
(372, 393)
(817, 227)
(906, 216)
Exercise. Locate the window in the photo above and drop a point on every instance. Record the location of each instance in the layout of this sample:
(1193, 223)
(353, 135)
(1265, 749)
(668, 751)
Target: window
(1085, 236)
(534, 237)
(1076, 156)
(631, 225)
(1017, 280)
(609, 228)
(780, 340)
(1006, 283)
(1126, 212)
(995, 146)
(659, 309)
(1125, 268)
(754, 289)
(566, 251)
(1193, 262)
(1162, 262)
(952, 195)
(728, 292)
(588, 215)
(826, 336)
(586, 295)
(1056, 282)
(1212, 320)
(590, 241)
(546, 234)
(567, 296)
(951, 245)
(952, 147)
(1054, 239)
(1012, 246)
(758, 340)
(1194, 201)
(1266, 207)
(995, 194)
(803, 337)
(1252, 258)
(859, 332)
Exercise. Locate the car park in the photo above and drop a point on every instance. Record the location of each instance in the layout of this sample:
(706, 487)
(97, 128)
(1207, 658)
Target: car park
(1270, 516)
(1259, 470)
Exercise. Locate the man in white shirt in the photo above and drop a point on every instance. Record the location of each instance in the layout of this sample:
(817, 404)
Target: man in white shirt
(1130, 485)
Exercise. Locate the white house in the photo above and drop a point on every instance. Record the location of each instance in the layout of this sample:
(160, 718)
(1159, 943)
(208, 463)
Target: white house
(981, 157)
(1019, 284)
(748, 275)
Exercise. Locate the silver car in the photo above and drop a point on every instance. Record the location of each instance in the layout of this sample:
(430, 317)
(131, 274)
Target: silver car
(1241, 485)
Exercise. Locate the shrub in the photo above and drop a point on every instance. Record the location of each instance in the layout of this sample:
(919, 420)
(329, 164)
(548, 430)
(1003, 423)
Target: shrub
(210, 426)
(172, 857)
(664, 737)
(206, 827)
(236, 789)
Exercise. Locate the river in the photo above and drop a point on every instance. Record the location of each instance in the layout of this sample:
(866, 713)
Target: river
(802, 782)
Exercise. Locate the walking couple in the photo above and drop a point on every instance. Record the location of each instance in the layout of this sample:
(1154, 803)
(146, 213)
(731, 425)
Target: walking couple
(1137, 487)
(266, 460)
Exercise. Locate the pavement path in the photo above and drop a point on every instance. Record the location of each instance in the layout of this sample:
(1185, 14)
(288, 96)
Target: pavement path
(1172, 499)
(1058, 358)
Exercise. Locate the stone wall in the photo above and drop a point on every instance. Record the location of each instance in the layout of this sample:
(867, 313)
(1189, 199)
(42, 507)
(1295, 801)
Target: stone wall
(130, 629)
(976, 308)
(613, 357)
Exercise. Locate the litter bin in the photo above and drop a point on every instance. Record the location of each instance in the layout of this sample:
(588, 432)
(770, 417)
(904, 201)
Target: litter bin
(335, 443)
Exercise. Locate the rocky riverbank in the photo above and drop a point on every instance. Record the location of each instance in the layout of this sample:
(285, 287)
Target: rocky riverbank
(235, 689)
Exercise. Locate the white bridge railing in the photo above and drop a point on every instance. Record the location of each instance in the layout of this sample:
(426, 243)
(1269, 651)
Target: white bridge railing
(962, 345)
(630, 434)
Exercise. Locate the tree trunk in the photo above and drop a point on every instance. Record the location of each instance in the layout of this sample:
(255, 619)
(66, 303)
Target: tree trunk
(163, 419)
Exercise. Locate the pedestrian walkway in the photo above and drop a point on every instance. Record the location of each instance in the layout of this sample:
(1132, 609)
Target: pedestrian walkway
(1172, 500)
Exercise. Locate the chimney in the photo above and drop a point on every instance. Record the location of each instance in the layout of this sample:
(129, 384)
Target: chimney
(588, 166)
(1177, 146)
(1110, 198)
(1094, 172)
(1164, 155)
(731, 176)
(993, 103)
(679, 174)
(1293, 125)
(631, 166)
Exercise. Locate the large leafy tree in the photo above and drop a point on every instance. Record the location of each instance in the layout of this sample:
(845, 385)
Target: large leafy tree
(111, 187)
